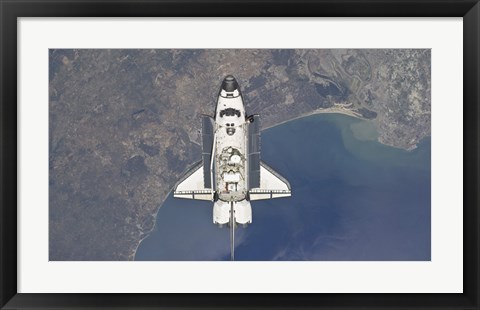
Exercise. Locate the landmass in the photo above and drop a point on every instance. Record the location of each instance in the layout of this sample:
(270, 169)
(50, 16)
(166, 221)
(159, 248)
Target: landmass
(124, 125)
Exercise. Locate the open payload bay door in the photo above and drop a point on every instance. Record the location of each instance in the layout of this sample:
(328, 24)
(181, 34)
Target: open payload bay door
(272, 185)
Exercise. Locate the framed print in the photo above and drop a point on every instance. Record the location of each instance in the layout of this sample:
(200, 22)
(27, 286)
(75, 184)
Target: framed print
(131, 127)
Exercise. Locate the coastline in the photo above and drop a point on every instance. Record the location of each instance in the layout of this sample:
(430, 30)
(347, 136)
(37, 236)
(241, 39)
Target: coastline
(146, 235)
(335, 109)
(301, 128)
(332, 110)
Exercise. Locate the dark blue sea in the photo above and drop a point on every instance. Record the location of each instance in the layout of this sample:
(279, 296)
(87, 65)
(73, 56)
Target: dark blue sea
(353, 199)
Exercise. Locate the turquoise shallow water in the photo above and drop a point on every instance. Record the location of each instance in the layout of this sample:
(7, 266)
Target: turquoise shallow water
(353, 199)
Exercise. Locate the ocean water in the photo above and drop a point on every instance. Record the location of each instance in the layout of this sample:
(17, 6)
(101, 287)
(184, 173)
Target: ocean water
(353, 199)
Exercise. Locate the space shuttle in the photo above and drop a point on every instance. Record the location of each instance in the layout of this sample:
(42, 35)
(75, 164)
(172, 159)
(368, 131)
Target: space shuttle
(231, 174)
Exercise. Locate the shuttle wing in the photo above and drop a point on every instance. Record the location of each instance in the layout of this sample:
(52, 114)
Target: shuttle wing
(196, 184)
(272, 185)
(191, 186)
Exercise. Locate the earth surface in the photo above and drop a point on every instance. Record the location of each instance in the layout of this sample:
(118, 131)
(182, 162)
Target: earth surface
(124, 125)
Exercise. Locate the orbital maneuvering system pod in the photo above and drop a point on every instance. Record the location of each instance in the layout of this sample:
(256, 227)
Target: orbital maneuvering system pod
(231, 173)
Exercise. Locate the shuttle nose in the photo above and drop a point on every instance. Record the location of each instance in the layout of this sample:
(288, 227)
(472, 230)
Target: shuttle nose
(229, 84)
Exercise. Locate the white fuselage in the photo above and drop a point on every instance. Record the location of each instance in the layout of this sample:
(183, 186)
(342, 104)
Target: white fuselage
(231, 173)
(229, 160)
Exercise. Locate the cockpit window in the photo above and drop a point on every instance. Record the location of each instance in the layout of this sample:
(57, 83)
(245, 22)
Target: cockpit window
(230, 112)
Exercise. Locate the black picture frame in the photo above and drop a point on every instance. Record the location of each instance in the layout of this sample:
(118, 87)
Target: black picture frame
(10, 10)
